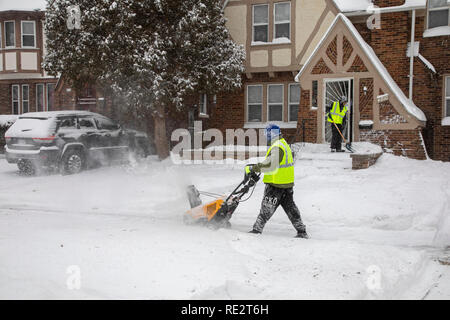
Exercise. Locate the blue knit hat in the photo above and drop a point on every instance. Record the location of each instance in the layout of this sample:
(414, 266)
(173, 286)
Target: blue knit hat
(272, 131)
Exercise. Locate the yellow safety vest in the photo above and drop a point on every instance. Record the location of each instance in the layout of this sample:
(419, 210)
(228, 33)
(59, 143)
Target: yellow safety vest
(337, 115)
(284, 173)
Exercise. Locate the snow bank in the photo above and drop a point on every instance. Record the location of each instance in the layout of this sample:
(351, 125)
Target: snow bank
(7, 120)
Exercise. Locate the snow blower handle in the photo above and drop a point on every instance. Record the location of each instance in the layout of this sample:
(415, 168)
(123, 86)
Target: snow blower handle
(250, 180)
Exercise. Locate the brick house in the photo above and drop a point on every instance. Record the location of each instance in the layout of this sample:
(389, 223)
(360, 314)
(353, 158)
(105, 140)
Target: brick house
(24, 85)
(337, 47)
(330, 42)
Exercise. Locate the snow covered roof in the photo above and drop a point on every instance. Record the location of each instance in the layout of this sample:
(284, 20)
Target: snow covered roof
(393, 86)
(22, 5)
(362, 6)
(352, 5)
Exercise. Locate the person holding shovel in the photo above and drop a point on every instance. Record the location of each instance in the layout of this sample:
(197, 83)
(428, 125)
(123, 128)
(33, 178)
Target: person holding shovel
(337, 115)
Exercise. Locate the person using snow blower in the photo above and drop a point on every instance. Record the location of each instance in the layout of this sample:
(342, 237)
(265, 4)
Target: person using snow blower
(337, 116)
(278, 169)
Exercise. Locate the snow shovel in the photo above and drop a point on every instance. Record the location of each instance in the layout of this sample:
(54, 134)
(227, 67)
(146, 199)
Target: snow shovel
(348, 145)
(216, 214)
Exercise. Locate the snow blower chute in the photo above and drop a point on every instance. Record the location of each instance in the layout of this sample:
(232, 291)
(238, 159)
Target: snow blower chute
(217, 214)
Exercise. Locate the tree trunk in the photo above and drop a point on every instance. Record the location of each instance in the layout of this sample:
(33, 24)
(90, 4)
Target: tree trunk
(161, 141)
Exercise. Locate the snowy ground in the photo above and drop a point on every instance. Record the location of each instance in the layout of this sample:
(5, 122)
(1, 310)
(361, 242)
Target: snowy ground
(375, 233)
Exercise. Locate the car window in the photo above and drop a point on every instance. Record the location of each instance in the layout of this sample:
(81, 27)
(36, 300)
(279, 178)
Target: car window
(67, 123)
(106, 124)
(86, 123)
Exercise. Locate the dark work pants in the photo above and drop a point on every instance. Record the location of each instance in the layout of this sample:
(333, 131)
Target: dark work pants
(273, 197)
(336, 139)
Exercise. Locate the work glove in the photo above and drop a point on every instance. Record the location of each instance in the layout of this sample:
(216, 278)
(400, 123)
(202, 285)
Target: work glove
(248, 169)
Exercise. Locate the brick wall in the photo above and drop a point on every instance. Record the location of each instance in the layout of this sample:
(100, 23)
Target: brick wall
(399, 142)
(366, 99)
(390, 43)
(308, 118)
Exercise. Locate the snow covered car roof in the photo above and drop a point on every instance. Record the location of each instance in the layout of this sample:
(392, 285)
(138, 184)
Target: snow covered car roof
(52, 114)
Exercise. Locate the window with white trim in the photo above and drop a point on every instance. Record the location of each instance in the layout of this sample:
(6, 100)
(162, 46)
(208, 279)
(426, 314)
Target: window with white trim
(40, 101)
(25, 98)
(282, 20)
(447, 97)
(275, 93)
(10, 34)
(438, 13)
(254, 103)
(15, 99)
(294, 101)
(203, 104)
(50, 91)
(28, 34)
(260, 23)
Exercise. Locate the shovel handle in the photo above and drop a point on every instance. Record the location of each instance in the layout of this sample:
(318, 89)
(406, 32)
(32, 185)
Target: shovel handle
(340, 132)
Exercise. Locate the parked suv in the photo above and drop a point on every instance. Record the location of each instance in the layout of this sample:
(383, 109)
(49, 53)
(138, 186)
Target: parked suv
(69, 140)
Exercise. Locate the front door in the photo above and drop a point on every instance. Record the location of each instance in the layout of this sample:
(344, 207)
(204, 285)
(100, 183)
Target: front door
(334, 90)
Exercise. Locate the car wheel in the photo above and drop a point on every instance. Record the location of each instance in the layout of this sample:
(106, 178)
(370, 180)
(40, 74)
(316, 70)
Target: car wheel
(73, 162)
(139, 153)
(26, 167)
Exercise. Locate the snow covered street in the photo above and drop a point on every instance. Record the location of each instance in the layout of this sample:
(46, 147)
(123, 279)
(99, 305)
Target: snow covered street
(380, 233)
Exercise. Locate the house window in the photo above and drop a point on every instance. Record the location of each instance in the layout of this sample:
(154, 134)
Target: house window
(10, 34)
(261, 23)
(28, 34)
(282, 20)
(15, 98)
(254, 103)
(40, 103)
(447, 97)
(294, 101)
(203, 104)
(50, 91)
(25, 98)
(275, 94)
(315, 85)
(438, 13)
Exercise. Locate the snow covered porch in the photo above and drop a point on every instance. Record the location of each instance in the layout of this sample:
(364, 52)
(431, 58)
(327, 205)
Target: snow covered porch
(344, 64)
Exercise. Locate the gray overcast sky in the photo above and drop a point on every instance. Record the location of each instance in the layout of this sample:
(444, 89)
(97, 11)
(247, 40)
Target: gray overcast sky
(22, 4)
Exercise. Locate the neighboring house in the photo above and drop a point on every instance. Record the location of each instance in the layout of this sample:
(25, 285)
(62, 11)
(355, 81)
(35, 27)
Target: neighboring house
(24, 85)
(335, 51)
(278, 37)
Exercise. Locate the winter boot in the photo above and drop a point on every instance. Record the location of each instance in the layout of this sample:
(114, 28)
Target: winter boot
(255, 231)
(302, 234)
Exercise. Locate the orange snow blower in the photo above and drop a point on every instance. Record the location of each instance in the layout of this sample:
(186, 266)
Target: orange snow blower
(217, 214)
